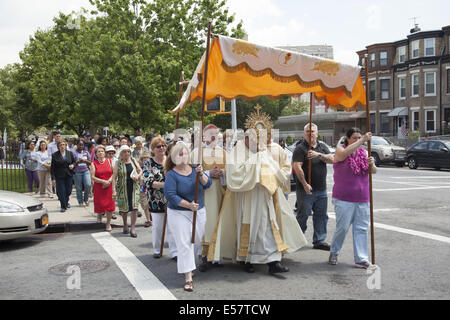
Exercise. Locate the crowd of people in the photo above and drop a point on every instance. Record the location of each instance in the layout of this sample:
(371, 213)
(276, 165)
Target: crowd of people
(242, 211)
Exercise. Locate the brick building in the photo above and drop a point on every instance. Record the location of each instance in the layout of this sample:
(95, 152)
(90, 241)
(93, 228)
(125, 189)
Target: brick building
(409, 83)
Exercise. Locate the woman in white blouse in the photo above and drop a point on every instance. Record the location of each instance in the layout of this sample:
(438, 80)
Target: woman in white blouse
(44, 160)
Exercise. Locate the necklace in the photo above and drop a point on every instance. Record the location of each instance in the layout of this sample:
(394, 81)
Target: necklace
(101, 162)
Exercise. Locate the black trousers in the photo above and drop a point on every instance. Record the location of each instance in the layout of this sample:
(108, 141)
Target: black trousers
(64, 190)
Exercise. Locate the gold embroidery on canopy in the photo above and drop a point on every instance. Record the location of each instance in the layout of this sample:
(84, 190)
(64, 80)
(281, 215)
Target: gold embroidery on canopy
(244, 48)
(328, 67)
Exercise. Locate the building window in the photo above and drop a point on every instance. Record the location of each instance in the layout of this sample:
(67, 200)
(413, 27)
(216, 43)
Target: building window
(372, 60)
(429, 47)
(415, 49)
(384, 122)
(415, 121)
(372, 122)
(430, 120)
(402, 88)
(401, 54)
(383, 59)
(448, 80)
(372, 90)
(384, 89)
(430, 83)
(415, 85)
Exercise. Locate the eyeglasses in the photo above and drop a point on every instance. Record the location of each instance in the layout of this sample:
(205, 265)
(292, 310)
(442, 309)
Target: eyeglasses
(161, 146)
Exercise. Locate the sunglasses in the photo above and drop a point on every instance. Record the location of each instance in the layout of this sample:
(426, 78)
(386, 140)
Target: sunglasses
(116, 146)
(161, 146)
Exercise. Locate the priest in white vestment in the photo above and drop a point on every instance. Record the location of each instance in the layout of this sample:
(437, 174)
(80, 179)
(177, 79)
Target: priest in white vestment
(256, 224)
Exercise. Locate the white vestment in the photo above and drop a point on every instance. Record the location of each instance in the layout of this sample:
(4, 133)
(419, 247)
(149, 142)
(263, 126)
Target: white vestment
(256, 223)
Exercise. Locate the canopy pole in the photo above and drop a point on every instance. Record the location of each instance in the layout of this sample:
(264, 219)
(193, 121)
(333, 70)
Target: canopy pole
(369, 151)
(311, 95)
(180, 95)
(205, 80)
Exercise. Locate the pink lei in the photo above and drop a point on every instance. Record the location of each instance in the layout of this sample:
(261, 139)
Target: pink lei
(358, 162)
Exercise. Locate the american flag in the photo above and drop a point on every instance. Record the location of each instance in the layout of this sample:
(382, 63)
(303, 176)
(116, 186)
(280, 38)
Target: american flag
(403, 128)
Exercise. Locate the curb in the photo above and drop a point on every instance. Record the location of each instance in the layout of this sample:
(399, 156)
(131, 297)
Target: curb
(76, 227)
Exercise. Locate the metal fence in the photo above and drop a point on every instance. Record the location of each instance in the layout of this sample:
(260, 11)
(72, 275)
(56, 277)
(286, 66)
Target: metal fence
(12, 173)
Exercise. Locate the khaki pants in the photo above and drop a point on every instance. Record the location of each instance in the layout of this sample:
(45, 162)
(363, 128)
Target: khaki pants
(45, 183)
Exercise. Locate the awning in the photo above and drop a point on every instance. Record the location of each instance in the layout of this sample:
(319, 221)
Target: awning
(398, 111)
(238, 68)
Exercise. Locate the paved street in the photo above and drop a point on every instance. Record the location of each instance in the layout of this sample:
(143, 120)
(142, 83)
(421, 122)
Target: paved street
(412, 239)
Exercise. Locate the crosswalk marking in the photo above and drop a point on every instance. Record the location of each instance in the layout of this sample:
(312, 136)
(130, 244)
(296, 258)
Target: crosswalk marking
(145, 282)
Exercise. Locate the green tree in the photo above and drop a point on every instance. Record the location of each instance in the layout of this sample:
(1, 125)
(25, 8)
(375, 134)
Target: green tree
(295, 108)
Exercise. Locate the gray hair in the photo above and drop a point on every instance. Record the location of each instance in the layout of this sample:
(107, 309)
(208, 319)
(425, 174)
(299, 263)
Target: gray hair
(139, 139)
(314, 126)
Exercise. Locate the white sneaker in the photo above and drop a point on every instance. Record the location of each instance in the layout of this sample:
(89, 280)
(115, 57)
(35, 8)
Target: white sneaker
(366, 265)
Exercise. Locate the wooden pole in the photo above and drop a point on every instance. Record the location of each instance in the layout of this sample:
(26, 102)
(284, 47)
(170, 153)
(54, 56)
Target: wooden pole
(369, 152)
(205, 80)
(311, 95)
(180, 94)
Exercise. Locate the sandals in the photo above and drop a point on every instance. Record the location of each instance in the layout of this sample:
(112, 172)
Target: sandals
(147, 224)
(189, 286)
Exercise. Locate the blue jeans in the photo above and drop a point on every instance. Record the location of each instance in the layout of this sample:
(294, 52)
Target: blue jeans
(348, 213)
(82, 178)
(316, 202)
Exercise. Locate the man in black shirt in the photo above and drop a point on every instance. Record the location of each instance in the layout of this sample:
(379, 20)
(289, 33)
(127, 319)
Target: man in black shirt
(312, 197)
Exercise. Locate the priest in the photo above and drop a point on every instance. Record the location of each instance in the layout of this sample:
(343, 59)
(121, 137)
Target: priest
(256, 224)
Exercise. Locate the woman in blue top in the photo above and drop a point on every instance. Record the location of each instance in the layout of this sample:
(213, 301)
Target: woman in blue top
(179, 190)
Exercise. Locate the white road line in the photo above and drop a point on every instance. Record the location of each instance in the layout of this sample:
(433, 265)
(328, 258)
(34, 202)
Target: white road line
(422, 177)
(397, 182)
(403, 230)
(413, 188)
(146, 283)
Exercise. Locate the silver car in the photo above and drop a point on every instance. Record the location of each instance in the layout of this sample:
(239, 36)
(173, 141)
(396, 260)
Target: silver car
(21, 215)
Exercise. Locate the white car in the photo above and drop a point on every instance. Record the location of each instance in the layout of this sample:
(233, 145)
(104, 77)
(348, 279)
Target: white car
(21, 215)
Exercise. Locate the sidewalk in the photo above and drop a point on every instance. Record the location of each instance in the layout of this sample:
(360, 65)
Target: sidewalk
(78, 218)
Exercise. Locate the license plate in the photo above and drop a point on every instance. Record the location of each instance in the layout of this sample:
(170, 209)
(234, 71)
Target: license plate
(44, 220)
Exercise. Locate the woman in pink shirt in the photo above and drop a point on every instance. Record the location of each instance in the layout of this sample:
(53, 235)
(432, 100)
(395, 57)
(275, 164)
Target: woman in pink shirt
(351, 196)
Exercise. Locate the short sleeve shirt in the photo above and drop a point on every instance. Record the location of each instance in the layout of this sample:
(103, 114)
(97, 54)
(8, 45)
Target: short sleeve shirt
(318, 167)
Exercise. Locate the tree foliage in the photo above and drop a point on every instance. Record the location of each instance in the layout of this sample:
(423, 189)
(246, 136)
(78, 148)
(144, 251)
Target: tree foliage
(121, 66)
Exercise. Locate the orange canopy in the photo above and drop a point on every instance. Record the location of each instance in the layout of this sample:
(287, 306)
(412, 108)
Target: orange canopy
(238, 68)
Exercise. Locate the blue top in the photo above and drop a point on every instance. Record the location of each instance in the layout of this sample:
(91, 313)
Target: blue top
(178, 187)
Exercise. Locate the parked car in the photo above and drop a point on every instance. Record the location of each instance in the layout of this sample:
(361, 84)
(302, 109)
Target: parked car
(429, 153)
(384, 151)
(21, 215)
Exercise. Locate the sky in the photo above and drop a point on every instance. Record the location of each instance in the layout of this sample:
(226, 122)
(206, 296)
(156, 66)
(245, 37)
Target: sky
(347, 25)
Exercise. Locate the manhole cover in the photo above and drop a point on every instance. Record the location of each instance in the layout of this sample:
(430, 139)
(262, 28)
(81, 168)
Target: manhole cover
(86, 266)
